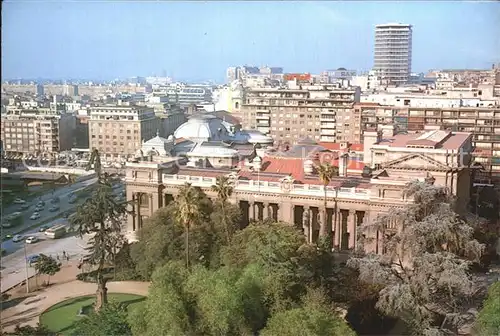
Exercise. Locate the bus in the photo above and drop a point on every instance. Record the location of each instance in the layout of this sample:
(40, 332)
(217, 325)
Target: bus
(55, 232)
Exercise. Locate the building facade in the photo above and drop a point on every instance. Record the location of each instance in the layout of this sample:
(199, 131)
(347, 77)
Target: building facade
(482, 122)
(117, 131)
(38, 132)
(320, 112)
(392, 55)
(285, 186)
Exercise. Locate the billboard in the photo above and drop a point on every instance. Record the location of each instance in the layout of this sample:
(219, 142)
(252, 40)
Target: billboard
(297, 76)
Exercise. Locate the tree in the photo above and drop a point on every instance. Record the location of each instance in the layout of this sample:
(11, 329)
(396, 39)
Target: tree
(326, 173)
(47, 265)
(28, 330)
(224, 190)
(100, 216)
(313, 318)
(488, 321)
(111, 320)
(425, 268)
(188, 211)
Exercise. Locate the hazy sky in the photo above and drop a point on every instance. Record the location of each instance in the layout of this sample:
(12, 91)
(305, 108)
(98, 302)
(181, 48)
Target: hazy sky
(199, 40)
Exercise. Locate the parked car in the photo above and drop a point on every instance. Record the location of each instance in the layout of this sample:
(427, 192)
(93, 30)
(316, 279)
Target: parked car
(32, 259)
(54, 208)
(17, 238)
(43, 228)
(31, 240)
(35, 216)
(25, 206)
(38, 208)
(41, 203)
(55, 200)
(19, 201)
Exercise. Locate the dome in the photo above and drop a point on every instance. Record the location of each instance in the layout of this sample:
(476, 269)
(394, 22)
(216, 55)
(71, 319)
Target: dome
(202, 128)
(253, 137)
(208, 149)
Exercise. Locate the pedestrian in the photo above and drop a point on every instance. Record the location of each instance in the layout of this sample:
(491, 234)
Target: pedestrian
(67, 257)
(58, 258)
(64, 254)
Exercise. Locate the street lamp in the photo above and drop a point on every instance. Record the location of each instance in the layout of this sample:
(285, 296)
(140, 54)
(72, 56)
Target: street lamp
(26, 267)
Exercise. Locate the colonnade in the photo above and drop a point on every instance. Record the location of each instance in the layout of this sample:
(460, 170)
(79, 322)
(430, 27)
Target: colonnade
(342, 223)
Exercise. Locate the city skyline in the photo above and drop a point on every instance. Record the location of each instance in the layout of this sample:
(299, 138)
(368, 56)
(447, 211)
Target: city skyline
(198, 41)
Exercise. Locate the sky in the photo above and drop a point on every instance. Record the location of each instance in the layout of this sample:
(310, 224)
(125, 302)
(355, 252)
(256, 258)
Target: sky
(198, 40)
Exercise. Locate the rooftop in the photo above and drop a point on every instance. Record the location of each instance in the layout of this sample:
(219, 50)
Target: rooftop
(436, 139)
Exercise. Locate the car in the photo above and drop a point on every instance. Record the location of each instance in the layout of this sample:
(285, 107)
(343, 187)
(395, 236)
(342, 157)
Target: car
(35, 215)
(31, 240)
(32, 259)
(55, 200)
(43, 228)
(41, 203)
(38, 209)
(7, 224)
(17, 238)
(25, 206)
(8, 236)
(19, 201)
(54, 208)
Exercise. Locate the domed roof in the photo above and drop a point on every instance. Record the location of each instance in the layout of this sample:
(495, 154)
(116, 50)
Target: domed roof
(158, 141)
(213, 149)
(253, 137)
(201, 127)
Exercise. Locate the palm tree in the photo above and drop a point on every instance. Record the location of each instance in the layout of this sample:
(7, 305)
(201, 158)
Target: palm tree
(101, 216)
(326, 173)
(188, 211)
(224, 190)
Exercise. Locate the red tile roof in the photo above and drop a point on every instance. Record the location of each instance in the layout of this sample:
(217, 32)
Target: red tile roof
(335, 146)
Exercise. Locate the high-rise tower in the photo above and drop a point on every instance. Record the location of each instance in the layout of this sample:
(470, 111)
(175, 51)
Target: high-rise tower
(392, 56)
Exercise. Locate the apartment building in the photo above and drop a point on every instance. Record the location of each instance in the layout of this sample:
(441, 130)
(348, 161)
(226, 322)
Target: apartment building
(320, 112)
(39, 131)
(393, 49)
(482, 122)
(117, 131)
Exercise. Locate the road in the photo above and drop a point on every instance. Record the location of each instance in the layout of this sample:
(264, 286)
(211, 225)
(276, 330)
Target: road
(61, 192)
(13, 265)
(45, 214)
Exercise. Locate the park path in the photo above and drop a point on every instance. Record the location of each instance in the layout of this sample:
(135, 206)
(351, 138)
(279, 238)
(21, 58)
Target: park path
(28, 310)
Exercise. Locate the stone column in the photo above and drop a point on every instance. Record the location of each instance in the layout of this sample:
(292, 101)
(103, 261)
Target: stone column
(251, 211)
(337, 225)
(266, 210)
(152, 206)
(131, 216)
(285, 212)
(351, 224)
(322, 220)
(306, 223)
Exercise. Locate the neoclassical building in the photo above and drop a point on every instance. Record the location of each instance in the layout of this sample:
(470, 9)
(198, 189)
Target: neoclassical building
(285, 186)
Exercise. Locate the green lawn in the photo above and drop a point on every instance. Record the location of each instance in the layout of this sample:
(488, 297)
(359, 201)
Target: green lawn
(60, 317)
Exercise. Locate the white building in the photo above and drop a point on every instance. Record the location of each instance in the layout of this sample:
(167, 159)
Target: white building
(393, 48)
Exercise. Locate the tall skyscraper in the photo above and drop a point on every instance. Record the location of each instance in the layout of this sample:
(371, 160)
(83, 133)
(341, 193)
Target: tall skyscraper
(392, 57)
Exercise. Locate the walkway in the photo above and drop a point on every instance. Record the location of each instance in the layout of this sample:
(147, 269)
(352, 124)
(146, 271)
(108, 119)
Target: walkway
(28, 309)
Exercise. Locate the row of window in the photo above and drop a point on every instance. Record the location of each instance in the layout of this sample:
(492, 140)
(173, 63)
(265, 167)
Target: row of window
(115, 137)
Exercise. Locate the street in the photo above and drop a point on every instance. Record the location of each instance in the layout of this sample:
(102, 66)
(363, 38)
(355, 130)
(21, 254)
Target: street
(45, 214)
(13, 266)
